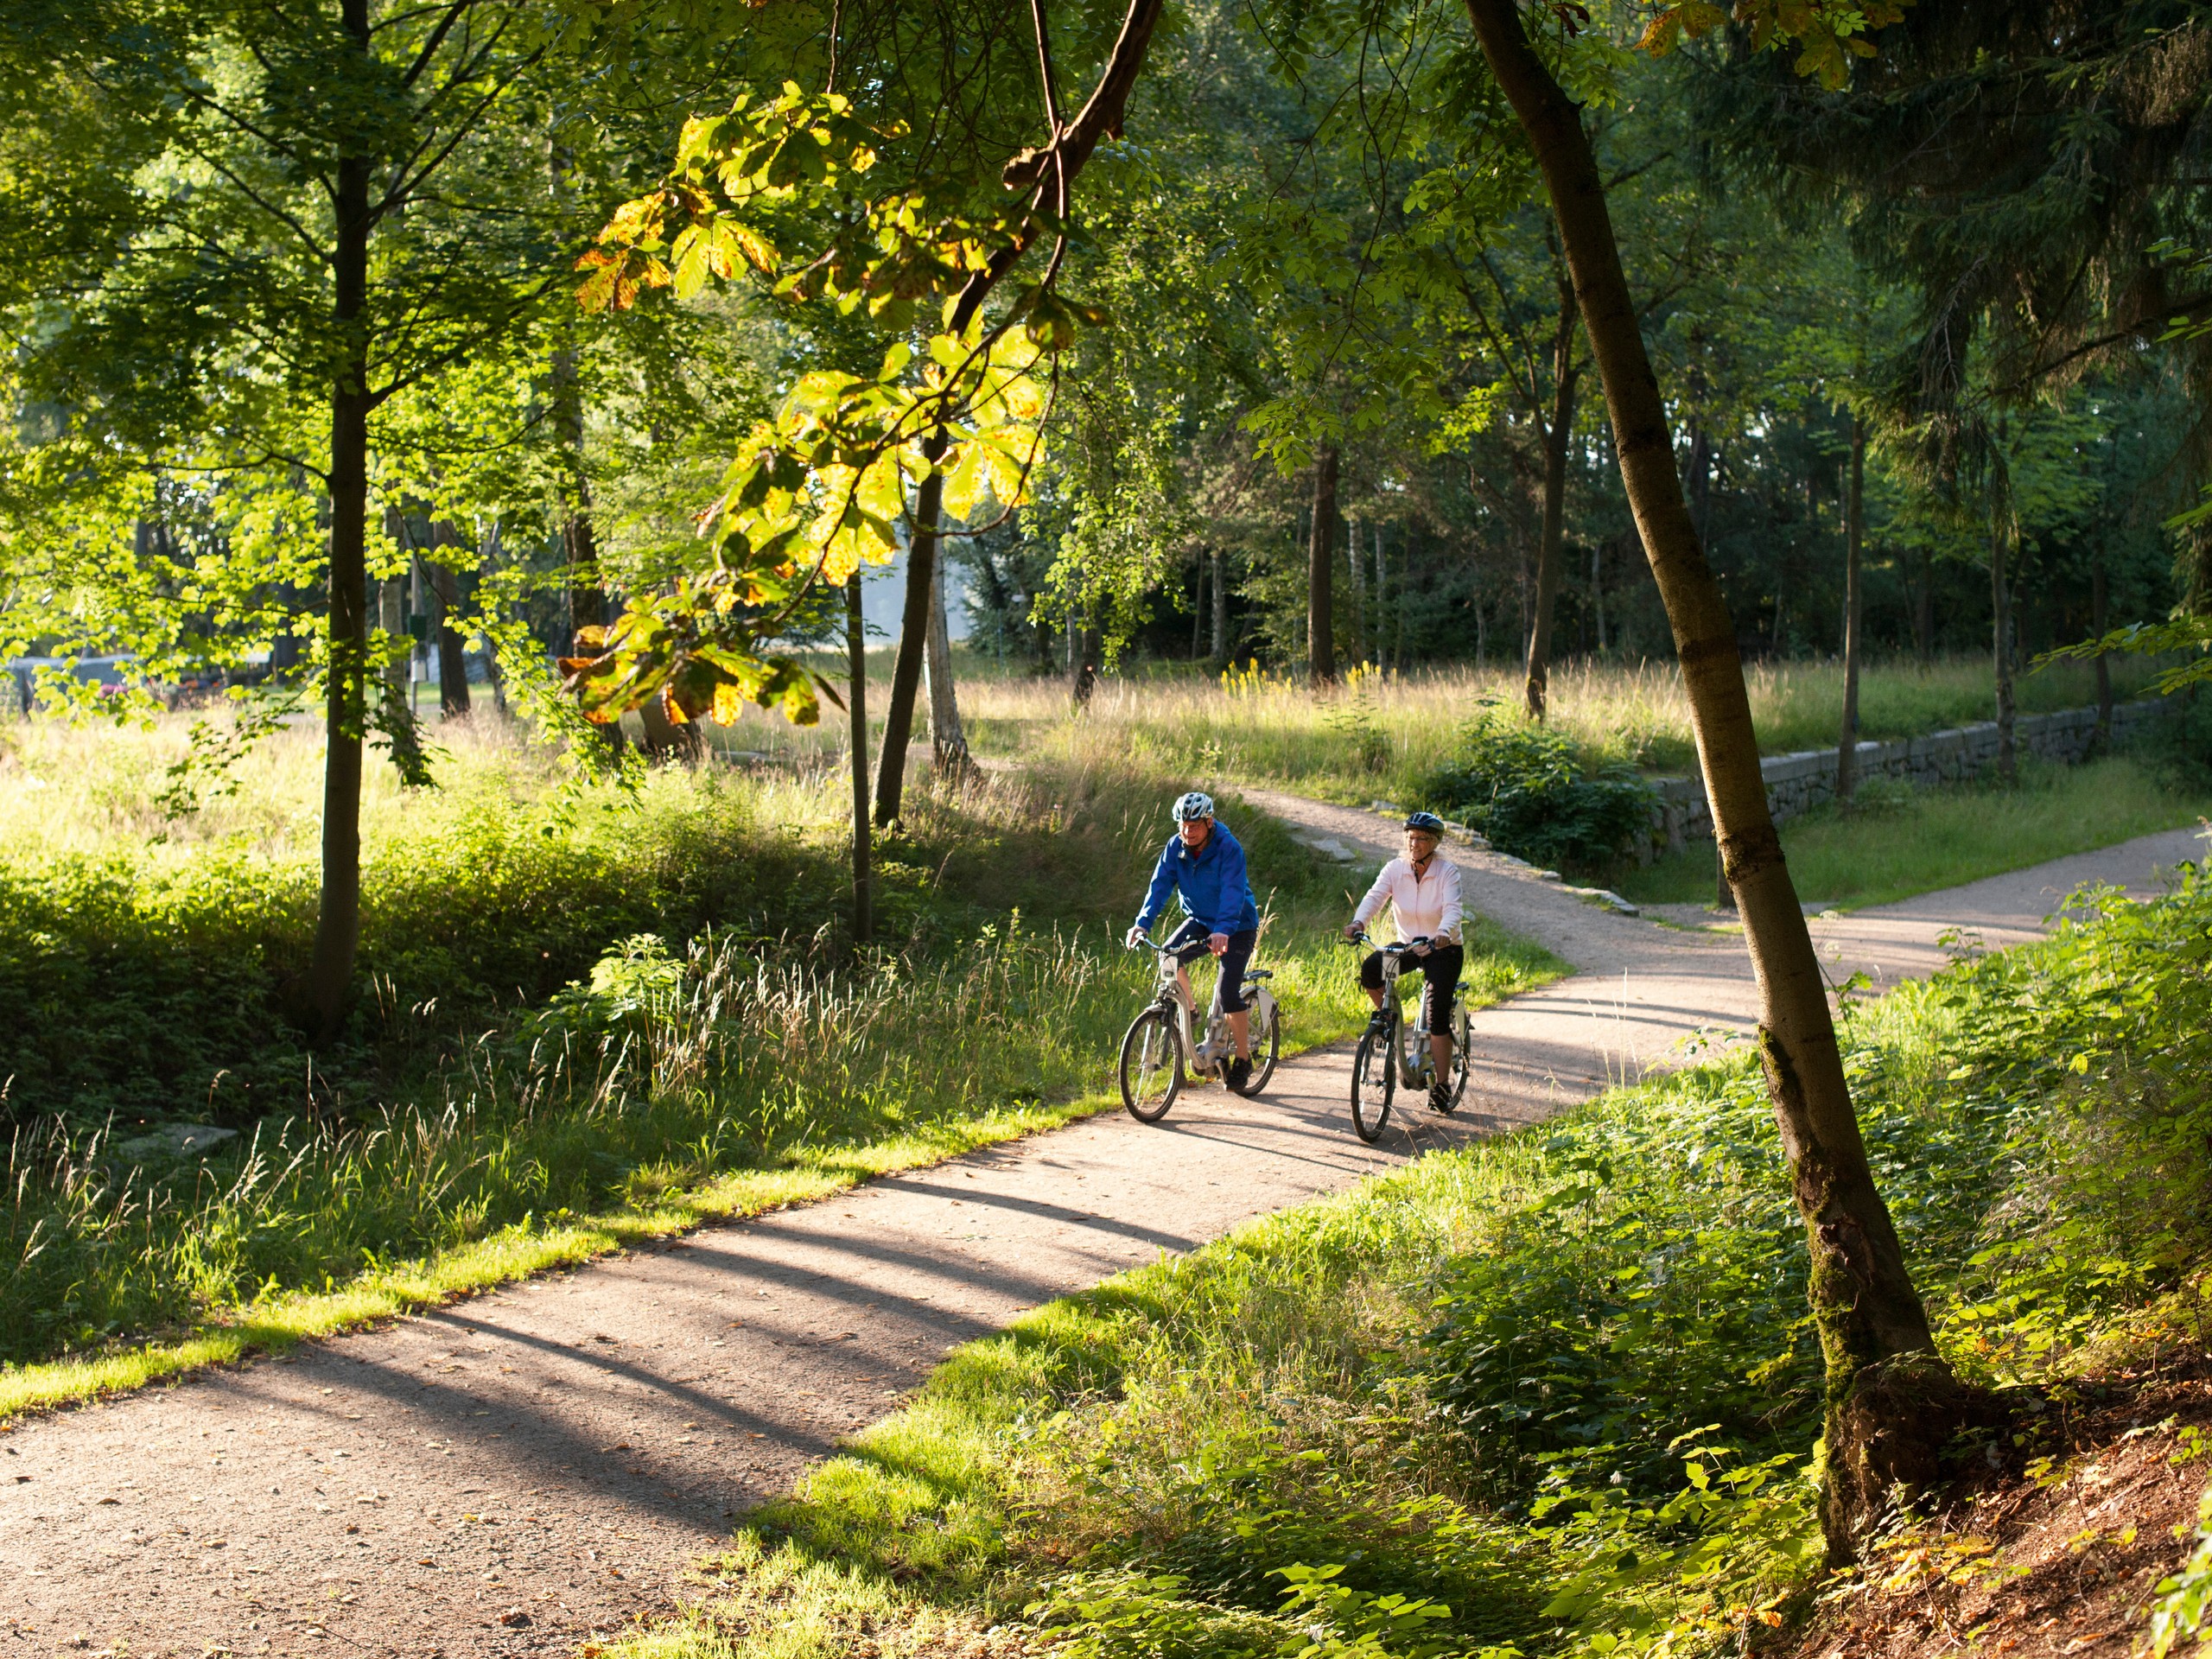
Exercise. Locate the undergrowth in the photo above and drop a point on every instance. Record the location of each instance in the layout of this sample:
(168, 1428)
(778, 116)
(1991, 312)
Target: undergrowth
(685, 1034)
(1553, 1394)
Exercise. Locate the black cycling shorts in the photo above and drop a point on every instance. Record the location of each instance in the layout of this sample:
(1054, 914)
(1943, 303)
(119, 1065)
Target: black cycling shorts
(1439, 972)
(1188, 941)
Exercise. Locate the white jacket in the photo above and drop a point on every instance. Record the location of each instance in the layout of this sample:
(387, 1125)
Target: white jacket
(1427, 906)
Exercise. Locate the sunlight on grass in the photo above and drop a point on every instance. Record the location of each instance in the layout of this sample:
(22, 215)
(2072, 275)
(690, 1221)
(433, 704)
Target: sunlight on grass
(665, 1086)
(1379, 732)
(1944, 837)
(1139, 1470)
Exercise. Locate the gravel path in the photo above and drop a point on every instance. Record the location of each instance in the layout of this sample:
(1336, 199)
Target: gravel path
(518, 1471)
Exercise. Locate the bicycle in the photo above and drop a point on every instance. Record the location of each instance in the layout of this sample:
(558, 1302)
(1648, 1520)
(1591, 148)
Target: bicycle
(1158, 1041)
(1374, 1079)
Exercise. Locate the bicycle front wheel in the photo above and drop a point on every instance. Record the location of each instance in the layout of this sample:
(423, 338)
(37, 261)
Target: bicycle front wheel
(1152, 1070)
(1267, 1041)
(1374, 1080)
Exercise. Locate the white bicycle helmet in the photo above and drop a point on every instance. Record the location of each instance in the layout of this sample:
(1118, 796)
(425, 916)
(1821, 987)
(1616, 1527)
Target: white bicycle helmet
(1196, 804)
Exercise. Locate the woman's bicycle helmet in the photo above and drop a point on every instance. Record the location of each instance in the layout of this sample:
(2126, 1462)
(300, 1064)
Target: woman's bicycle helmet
(1196, 804)
(1427, 821)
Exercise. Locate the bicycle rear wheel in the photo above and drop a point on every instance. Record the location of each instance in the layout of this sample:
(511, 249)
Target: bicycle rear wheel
(1152, 1067)
(1267, 1039)
(1374, 1080)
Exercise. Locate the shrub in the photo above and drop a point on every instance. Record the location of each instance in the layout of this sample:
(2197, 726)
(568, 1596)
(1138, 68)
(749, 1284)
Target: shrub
(1523, 786)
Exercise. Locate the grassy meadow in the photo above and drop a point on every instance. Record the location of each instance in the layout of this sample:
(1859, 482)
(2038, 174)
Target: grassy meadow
(1553, 1395)
(583, 1012)
(1899, 842)
(1379, 732)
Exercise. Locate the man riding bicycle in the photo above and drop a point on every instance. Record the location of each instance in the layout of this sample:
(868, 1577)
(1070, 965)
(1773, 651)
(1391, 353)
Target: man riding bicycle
(1423, 893)
(1203, 863)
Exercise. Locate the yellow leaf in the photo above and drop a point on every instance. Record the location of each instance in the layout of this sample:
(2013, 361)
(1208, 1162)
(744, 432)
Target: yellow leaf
(1024, 398)
(840, 556)
(881, 491)
(691, 253)
(729, 704)
(964, 480)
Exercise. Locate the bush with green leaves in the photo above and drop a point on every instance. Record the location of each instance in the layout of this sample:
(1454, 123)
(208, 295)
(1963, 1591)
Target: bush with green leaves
(1557, 1394)
(1525, 787)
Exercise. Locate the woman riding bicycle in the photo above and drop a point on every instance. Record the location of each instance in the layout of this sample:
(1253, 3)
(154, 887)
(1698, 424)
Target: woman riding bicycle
(1423, 893)
(1203, 863)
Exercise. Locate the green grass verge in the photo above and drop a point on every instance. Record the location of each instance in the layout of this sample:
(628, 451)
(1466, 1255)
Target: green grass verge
(671, 1086)
(1917, 842)
(1549, 1395)
(1498, 966)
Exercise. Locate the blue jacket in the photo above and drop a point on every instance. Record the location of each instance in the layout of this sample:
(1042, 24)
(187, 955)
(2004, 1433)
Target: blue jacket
(1212, 882)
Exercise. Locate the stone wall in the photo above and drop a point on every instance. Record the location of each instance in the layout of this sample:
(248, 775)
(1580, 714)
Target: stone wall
(1798, 782)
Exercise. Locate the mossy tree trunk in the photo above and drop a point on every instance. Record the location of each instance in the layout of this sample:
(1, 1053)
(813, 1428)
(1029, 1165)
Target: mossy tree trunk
(1890, 1402)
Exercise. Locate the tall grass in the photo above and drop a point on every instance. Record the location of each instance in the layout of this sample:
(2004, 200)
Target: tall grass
(576, 1006)
(1379, 732)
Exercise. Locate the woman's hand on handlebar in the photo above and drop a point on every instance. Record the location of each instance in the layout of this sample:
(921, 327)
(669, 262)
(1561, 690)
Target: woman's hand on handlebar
(1355, 932)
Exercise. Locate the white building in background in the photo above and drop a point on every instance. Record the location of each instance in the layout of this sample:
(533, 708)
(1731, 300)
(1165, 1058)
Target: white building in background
(883, 599)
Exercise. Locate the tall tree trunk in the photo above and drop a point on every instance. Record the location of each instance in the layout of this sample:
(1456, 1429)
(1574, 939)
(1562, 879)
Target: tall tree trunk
(1320, 567)
(1891, 1403)
(337, 917)
(1220, 576)
(913, 636)
(487, 558)
(1598, 594)
(579, 546)
(856, 711)
(2001, 604)
(453, 650)
(391, 621)
(1405, 597)
(1356, 576)
(1551, 537)
(1381, 605)
(1923, 610)
(1197, 603)
(948, 741)
(1846, 754)
(1700, 481)
(2098, 595)
(1073, 146)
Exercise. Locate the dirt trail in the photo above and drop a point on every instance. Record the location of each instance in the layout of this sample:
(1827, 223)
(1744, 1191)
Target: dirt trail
(520, 1470)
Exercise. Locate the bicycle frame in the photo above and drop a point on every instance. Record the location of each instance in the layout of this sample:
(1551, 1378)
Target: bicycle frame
(1168, 995)
(1411, 1054)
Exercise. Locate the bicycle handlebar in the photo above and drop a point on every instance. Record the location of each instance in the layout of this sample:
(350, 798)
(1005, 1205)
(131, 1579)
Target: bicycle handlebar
(1399, 949)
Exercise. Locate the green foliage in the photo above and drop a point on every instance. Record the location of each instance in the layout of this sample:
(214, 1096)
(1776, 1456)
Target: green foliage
(1525, 787)
(1553, 1393)
(579, 1002)
(2182, 1604)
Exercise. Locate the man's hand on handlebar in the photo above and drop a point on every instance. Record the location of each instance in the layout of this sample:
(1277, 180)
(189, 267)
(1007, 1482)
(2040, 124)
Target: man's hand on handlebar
(1135, 938)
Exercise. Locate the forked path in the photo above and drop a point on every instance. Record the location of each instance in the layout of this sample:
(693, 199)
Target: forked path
(512, 1473)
